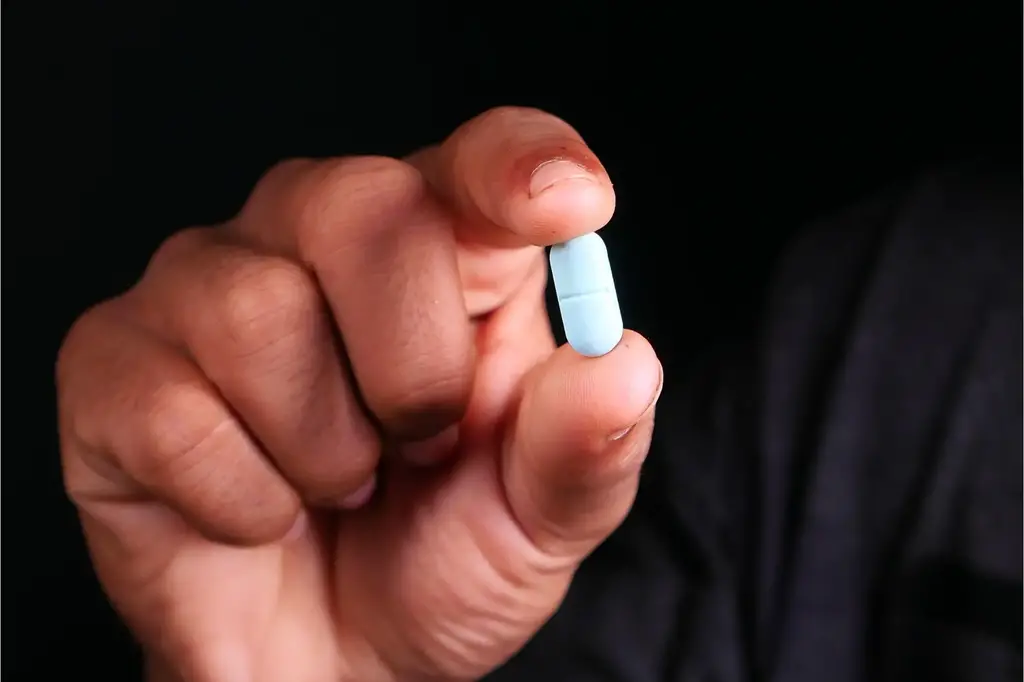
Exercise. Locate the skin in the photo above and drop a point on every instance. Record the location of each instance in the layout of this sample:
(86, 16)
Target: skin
(332, 438)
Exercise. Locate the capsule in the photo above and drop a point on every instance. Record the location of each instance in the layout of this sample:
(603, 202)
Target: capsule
(586, 295)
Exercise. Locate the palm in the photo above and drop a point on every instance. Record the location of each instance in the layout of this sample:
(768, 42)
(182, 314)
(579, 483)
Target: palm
(434, 570)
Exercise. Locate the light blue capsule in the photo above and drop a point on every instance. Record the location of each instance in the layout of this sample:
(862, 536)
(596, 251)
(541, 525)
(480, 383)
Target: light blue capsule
(586, 295)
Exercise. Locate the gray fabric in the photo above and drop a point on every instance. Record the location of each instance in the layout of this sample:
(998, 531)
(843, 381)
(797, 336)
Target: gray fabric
(839, 495)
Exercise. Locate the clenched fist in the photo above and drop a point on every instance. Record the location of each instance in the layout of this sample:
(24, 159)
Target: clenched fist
(332, 438)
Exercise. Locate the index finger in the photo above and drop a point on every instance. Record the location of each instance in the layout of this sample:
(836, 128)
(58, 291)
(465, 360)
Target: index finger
(519, 177)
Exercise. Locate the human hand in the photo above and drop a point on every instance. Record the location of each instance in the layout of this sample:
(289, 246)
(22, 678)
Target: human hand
(332, 438)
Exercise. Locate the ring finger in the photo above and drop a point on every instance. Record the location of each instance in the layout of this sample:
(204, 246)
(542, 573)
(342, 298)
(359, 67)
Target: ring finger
(258, 327)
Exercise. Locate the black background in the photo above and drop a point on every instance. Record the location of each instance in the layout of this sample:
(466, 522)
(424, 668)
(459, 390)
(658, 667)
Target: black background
(725, 127)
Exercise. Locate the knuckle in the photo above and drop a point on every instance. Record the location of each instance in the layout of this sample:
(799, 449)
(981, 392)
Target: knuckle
(352, 196)
(180, 427)
(504, 113)
(276, 190)
(96, 372)
(76, 339)
(262, 300)
(369, 176)
(270, 209)
(512, 116)
(70, 421)
(282, 175)
(178, 244)
(76, 357)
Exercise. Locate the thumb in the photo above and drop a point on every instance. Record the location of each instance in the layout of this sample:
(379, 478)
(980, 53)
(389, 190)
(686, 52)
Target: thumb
(572, 460)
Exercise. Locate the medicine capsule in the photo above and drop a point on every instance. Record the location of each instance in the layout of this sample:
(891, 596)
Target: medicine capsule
(586, 295)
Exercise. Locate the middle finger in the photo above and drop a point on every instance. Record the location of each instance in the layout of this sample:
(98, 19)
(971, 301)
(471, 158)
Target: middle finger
(383, 250)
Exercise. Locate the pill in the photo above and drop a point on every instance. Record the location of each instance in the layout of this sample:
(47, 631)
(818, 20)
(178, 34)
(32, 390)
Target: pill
(586, 295)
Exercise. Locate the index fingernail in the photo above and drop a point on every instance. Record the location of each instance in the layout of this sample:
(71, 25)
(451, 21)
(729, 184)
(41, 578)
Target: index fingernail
(555, 172)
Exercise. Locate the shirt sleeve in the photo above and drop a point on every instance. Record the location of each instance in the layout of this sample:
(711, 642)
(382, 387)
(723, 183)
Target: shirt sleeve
(837, 496)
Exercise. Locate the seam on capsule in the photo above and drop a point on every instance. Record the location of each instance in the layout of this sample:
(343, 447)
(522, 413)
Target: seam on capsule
(587, 294)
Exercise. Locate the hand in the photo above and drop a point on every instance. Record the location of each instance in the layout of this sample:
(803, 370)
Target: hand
(332, 439)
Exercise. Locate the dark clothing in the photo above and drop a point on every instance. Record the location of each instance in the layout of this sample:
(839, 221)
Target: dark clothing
(839, 497)
(834, 496)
